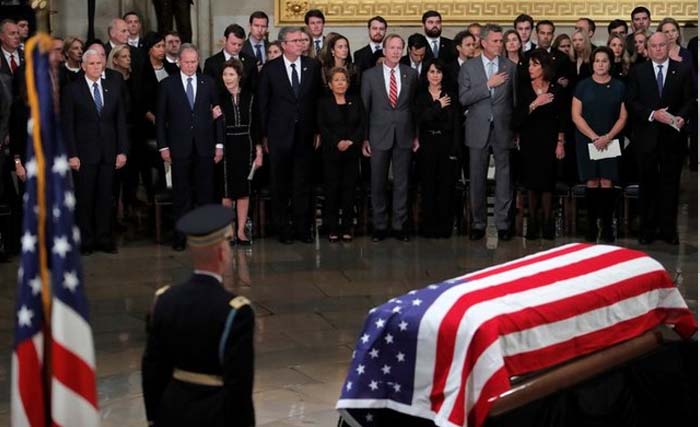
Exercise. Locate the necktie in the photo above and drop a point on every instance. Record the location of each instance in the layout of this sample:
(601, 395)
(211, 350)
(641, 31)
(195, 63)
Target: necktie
(258, 53)
(13, 63)
(377, 48)
(393, 90)
(295, 80)
(318, 46)
(435, 49)
(660, 80)
(190, 92)
(491, 69)
(98, 97)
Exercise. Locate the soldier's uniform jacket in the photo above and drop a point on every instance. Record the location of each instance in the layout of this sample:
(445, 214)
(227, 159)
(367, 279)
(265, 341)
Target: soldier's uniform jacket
(198, 363)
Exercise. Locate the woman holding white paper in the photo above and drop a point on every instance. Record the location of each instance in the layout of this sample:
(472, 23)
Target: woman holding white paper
(599, 113)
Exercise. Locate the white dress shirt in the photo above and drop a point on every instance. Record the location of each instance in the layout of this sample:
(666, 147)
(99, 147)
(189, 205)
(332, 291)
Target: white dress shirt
(460, 61)
(99, 87)
(432, 40)
(254, 43)
(287, 67)
(664, 72)
(171, 60)
(133, 42)
(417, 66)
(375, 46)
(528, 46)
(387, 79)
(486, 62)
(184, 78)
(9, 55)
(210, 274)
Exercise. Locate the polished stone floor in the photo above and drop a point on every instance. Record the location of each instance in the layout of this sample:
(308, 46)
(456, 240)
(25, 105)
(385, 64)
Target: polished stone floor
(310, 302)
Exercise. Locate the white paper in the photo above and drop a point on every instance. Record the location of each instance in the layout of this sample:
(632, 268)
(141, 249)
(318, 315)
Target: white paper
(168, 176)
(674, 123)
(252, 172)
(612, 150)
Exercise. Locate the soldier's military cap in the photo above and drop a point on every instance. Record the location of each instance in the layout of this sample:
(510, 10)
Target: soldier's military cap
(207, 225)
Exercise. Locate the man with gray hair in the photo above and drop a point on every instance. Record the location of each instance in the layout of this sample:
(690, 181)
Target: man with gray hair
(487, 88)
(118, 31)
(94, 130)
(12, 57)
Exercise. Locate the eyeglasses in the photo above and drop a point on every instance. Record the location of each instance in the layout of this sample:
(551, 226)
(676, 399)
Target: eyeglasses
(294, 41)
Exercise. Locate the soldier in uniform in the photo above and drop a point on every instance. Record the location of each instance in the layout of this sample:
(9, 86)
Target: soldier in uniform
(197, 369)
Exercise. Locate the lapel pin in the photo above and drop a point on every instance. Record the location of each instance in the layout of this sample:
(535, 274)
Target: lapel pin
(304, 69)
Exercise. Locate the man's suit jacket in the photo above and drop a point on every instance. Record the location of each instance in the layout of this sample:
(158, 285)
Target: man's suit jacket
(385, 122)
(280, 110)
(563, 67)
(406, 60)
(187, 131)
(94, 138)
(249, 49)
(214, 66)
(481, 106)
(643, 98)
(446, 53)
(364, 59)
(5, 66)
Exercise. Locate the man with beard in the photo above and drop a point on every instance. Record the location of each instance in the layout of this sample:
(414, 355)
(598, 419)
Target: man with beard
(367, 56)
(438, 47)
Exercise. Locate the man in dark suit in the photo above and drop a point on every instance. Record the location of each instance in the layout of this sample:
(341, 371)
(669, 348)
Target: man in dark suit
(166, 10)
(660, 95)
(315, 22)
(12, 57)
(524, 25)
(563, 67)
(287, 95)
(641, 21)
(234, 37)
(438, 47)
(487, 88)
(256, 44)
(118, 32)
(416, 55)
(187, 136)
(465, 43)
(387, 93)
(367, 56)
(197, 368)
(133, 26)
(94, 130)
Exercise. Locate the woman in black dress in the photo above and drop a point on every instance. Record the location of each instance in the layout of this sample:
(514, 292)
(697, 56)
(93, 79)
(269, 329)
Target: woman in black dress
(621, 66)
(242, 149)
(343, 125)
(438, 115)
(599, 113)
(540, 120)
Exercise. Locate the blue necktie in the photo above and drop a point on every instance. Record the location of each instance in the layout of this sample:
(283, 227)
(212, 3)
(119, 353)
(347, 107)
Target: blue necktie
(318, 46)
(98, 97)
(190, 92)
(258, 53)
(295, 80)
(660, 80)
(490, 74)
(436, 50)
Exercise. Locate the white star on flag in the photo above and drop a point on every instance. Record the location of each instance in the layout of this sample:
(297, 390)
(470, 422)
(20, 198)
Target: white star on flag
(76, 235)
(374, 353)
(417, 302)
(31, 168)
(373, 385)
(372, 310)
(360, 369)
(397, 388)
(389, 338)
(413, 292)
(348, 387)
(20, 273)
(433, 287)
(61, 246)
(396, 309)
(386, 369)
(69, 200)
(70, 281)
(401, 357)
(60, 165)
(403, 325)
(380, 323)
(24, 316)
(369, 418)
(35, 284)
(28, 242)
(56, 213)
(364, 339)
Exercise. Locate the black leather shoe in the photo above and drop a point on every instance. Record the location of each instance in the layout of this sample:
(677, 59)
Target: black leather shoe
(378, 235)
(504, 235)
(476, 234)
(401, 235)
(178, 246)
(108, 248)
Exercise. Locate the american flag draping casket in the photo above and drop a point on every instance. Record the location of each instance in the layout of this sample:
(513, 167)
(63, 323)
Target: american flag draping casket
(442, 352)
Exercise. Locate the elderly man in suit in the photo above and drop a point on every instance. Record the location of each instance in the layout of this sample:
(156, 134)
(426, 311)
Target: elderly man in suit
(387, 93)
(234, 37)
(187, 136)
(660, 95)
(487, 88)
(94, 129)
(287, 95)
(12, 56)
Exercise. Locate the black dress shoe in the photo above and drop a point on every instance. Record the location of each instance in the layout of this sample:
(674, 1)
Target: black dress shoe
(108, 248)
(378, 235)
(401, 236)
(179, 246)
(505, 235)
(476, 234)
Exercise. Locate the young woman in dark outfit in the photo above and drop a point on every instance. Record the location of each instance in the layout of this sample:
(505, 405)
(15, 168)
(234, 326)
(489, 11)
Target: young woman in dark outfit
(343, 125)
(438, 116)
(540, 120)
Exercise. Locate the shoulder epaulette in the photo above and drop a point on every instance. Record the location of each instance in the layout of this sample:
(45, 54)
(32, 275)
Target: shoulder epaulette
(239, 302)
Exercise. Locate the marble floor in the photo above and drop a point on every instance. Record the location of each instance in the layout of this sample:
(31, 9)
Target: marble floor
(310, 302)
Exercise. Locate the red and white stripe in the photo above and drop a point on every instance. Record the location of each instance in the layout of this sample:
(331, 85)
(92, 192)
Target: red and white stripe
(27, 394)
(530, 314)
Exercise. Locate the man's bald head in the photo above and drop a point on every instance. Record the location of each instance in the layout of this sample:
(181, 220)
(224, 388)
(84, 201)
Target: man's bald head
(657, 47)
(118, 31)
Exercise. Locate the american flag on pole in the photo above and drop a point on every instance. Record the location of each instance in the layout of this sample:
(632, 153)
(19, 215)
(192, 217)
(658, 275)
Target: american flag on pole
(53, 363)
(444, 352)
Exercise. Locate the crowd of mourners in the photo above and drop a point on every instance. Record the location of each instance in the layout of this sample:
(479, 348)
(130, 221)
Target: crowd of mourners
(396, 121)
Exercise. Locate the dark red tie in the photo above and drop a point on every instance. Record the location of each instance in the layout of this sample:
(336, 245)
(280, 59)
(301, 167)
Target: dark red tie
(393, 90)
(13, 63)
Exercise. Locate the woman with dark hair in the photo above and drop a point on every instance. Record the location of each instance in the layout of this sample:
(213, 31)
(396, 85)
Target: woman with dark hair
(438, 113)
(343, 125)
(621, 66)
(540, 119)
(336, 53)
(274, 50)
(513, 50)
(599, 113)
(242, 147)
(562, 43)
(670, 27)
(155, 69)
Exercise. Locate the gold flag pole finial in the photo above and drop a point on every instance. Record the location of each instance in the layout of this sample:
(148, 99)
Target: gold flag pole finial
(42, 9)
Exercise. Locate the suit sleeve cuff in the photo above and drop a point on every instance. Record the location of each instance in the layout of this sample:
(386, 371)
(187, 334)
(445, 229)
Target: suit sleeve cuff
(220, 146)
(164, 148)
(651, 117)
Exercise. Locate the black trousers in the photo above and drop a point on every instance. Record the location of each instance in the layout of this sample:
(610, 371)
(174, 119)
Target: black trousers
(340, 173)
(166, 10)
(291, 185)
(193, 185)
(94, 185)
(659, 181)
(437, 181)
